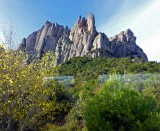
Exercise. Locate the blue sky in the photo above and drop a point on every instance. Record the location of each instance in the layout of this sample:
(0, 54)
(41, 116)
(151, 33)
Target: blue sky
(112, 16)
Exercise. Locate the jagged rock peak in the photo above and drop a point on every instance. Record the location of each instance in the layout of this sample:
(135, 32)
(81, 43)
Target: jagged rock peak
(87, 24)
(81, 40)
(124, 36)
(47, 22)
(82, 35)
(91, 22)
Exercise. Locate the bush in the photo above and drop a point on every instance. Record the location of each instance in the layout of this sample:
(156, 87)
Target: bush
(118, 107)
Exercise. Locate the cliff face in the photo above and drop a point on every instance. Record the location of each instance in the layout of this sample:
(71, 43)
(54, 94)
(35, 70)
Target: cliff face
(81, 40)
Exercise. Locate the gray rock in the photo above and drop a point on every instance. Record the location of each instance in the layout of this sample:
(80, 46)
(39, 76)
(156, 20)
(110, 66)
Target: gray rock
(81, 40)
(124, 45)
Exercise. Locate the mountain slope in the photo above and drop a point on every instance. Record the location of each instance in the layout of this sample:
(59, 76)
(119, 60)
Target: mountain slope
(90, 68)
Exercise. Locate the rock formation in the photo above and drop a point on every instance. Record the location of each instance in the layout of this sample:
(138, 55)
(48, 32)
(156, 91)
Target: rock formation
(81, 40)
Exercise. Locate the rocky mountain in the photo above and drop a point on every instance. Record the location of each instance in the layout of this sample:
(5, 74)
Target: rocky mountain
(82, 40)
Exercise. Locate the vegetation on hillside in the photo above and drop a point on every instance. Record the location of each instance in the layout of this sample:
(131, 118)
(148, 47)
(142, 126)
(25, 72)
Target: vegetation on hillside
(91, 68)
(29, 103)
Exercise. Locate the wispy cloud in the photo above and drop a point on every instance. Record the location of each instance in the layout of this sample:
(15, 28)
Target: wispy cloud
(1, 38)
(145, 23)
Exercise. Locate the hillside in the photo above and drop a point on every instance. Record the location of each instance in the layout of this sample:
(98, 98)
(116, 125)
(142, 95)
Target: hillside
(90, 68)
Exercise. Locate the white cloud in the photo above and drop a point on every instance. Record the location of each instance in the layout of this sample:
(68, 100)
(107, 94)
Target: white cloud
(148, 31)
(145, 23)
(152, 47)
(1, 38)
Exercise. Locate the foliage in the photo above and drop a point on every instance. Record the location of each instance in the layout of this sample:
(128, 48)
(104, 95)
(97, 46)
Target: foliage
(24, 102)
(90, 68)
(47, 63)
(117, 107)
(152, 86)
(29, 103)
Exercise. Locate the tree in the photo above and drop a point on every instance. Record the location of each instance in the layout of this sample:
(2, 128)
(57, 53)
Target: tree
(23, 95)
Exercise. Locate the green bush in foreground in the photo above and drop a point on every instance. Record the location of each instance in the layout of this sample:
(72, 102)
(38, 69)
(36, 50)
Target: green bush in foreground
(117, 107)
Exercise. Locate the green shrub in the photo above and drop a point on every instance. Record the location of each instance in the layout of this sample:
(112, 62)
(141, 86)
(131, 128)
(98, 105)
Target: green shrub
(117, 107)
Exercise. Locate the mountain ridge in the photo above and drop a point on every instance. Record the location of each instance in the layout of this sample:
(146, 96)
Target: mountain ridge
(82, 40)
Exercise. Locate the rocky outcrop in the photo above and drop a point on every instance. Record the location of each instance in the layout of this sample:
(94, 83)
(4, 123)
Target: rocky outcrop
(124, 45)
(81, 40)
